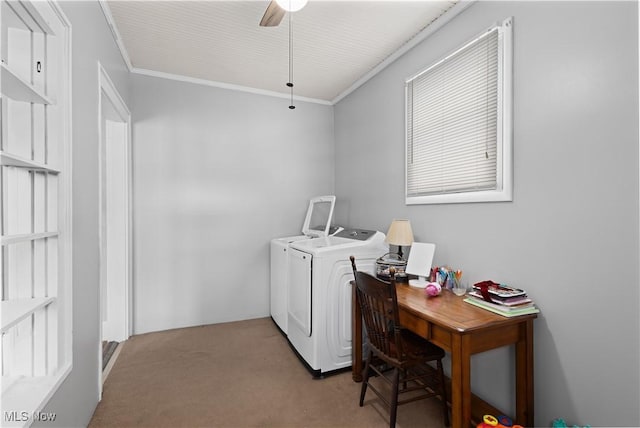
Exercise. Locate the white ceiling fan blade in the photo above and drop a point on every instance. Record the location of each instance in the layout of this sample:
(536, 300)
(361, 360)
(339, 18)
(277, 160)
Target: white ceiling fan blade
(273, 15)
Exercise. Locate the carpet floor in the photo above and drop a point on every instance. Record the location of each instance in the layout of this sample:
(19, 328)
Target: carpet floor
(239, 374)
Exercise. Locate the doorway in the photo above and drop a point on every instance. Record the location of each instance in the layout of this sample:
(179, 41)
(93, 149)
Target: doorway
(114, 223)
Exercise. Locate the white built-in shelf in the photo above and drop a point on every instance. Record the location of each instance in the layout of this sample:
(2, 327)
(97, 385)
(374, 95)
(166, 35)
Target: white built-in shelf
(25, 392)
(14, 239)
(16, 310)
(34, 13)
(16, 88)
(7, 159)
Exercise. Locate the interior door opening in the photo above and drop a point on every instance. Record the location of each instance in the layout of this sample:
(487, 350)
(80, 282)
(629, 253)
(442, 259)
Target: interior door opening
(115, 220)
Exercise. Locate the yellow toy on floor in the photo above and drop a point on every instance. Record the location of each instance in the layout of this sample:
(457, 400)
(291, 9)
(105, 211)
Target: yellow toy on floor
(490, 421)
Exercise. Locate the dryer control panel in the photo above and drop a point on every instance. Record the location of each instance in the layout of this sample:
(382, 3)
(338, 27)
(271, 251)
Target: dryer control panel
(358, 234)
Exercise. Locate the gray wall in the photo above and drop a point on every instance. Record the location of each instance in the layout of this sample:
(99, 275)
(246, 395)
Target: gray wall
(92, 41)
(570, 236)
(217, 174)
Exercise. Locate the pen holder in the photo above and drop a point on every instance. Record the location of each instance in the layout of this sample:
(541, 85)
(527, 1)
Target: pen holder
(459, 287)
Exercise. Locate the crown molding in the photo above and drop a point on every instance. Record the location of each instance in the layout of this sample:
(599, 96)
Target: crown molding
(418, 38)
(223, 85)
(114, 32)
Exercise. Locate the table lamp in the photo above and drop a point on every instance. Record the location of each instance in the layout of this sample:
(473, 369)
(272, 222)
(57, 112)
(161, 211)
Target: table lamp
(400, 234)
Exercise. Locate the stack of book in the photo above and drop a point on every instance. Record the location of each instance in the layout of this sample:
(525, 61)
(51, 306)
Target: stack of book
(506, 301)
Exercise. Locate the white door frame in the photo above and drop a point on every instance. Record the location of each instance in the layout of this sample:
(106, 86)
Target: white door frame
(107, 92)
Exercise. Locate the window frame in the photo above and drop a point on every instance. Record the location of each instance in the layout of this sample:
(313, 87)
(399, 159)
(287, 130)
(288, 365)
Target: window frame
(504, 127)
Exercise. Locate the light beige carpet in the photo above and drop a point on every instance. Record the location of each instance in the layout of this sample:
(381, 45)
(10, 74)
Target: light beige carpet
(240, 374)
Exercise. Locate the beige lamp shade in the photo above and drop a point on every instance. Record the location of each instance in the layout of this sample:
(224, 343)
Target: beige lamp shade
(400, 233)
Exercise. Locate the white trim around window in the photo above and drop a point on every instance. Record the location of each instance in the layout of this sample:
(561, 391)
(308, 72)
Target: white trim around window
(438, 145)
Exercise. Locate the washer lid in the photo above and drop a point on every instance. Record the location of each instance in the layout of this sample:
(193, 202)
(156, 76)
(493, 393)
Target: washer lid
(319, 215)
(338, 243)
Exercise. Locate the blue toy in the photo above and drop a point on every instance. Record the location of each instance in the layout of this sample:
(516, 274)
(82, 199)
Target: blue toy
(560, 423)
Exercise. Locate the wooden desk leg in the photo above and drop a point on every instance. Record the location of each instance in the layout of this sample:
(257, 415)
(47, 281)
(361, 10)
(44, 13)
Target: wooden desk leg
(460, 381)
(356, 336)
(524, 375)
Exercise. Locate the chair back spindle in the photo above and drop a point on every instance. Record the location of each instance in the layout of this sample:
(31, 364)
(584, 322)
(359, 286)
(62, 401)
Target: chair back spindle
(378, 302)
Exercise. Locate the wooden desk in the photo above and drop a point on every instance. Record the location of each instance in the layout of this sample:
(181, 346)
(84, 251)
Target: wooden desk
(462, 330)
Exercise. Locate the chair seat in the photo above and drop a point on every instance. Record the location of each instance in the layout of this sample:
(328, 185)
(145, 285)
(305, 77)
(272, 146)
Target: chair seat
(416, 350)
(419, 348)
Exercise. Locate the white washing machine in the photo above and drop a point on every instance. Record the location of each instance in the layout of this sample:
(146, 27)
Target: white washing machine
(317, 224)
(319, 303)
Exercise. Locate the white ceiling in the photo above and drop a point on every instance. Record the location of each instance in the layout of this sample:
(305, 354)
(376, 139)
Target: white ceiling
(337, 44)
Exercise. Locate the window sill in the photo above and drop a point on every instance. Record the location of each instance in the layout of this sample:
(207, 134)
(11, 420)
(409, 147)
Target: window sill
(461, 198)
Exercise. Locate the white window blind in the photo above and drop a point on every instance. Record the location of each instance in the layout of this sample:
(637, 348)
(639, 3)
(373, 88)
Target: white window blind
(456, 117)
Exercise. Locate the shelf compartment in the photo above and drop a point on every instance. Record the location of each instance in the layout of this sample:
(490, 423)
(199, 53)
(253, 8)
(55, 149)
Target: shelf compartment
(14, 239)
(14, 311)
(16, 88)
(7, 159)
(24, 392)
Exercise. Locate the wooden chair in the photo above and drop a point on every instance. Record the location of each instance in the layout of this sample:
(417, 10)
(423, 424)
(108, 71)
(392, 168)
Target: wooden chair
(396, 348)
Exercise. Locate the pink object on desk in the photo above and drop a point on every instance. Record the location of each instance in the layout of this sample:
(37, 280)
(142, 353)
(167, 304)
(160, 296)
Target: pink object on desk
(433, 289)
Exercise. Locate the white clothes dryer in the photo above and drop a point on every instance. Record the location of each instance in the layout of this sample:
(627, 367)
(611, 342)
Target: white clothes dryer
(317, 223)
(319, 295)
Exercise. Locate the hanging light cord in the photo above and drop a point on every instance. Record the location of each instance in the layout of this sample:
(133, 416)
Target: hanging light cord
(290, 82)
